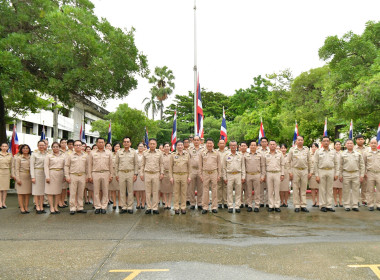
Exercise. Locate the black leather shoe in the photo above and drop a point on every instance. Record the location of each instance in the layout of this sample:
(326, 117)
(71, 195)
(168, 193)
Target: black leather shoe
(72, 212)
(296, 210)
(123, 211)
(230, 210)
(249, 209)
(246, 205)
(270, 209)
(267, 206)
(323, 209)
(237, 210)
(261, 205)
(97, 211)
(304, 209)
(347, 209)
(114, 207)
(200, 207)
(130, 211)
(330, 209)
(256, 210)
(46, 205)
(183, 212)
(156, 212)
(241, 205)
(38, 212)
(192, 207)
(225, 206)
(104, 211)
(277, 209)
(214, 211)
(204, 211)
(43, 212)
(370, 209)
(176, 212)
(82, 211)
(355, 209)
(148, 211)
(187, 203)
(378, 208)
(220, 206)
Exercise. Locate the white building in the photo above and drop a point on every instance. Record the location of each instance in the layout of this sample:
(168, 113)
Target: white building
(29, 127)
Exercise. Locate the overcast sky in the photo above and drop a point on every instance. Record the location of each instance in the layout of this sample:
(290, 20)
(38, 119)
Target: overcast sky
(237, 40)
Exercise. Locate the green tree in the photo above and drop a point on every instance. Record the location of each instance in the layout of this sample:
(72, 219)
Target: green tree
(150, 102)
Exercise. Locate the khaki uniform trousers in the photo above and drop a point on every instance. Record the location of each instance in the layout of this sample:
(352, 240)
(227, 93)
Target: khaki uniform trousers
(364, 190)
(351, 185)
(326, 188)
(76, 187)
(101, 182)
(373, 179)
(300, 180)
(244, 199)
(180, 190)
(253, 182)
(222, 192)
(210, 178)
(263, 193)
(152, 185)
(195, 184)
(126, 185)
(234, 180)
(273, 185)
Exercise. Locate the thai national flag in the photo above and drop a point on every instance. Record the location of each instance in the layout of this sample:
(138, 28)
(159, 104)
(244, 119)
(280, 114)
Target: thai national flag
(13, 147)
(261, 131)
(378, 137)
(82, 135)
(109, 139)
(43, 135)
(146, 138)
(351, 130)
(223, 128)
(325, 129)
(295, 134)
(174, 131)
(200, 116)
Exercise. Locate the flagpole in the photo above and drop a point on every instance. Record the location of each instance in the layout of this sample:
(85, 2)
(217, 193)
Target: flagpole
(195, 69)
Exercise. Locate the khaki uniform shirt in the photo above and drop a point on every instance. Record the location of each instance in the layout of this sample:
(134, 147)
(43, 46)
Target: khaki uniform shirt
(351, 162)
(275, 162)
(152, 162)
(254, 163)
(76, 164)
(100, 161)
(166, 162)
(6, 161)
(361, 150)
(372, 161)
(210, 161)
(194, 160)
(326, 159)
(299, 159)
(13, 169)
(37, 161)
(53, 162)
(233, 163)
(179, 163)
(22, 165)
(126, 161)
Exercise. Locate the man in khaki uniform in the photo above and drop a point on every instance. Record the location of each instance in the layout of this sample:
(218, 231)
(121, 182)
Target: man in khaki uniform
(244, 199)
(300, 166)
(76, 165)
(179, 173)
(326, 170)
(210, 166)
(274, 165)
(360, 147)
(263, 187)
(63, 149)
(126, 168)
(99, 172)
(351, 171)
(372, 174)
(195, 175)
(186, 144)
(152, 171)
(222, 186)
(255, 172)
(202, 145)
(233, 170)
(191, 139)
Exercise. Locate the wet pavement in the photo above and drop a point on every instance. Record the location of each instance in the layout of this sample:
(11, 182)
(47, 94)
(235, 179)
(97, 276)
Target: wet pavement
(262, 245)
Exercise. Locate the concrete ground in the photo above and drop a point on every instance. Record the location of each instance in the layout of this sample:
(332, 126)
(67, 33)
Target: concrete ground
(263, 245)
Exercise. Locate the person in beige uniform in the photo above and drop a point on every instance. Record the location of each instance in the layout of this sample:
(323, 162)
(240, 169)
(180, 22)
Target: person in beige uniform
(222, 186)
(372, 174)
(255, 172)
(99, 172)
(313, 185)
(326, 168)
(285, 184)
(338, 185)
(114, 188)
(179, 173)
(351, 173)
(195, 175)
(138, 185)
(300, 166)
(275, 163)
(242, 149)
(152, 171)
(5, 173)
(233, 172)
(76, 165)
(126, 167)
(360, 147)
(37, 173)
(89, 191)
(264, 190)
(23, 179)
(210, 166)
(54, 177)
(65, 151)
(166, 187)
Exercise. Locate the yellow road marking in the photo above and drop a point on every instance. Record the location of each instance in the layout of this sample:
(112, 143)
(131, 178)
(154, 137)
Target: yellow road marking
(135, 272)
(373, 267)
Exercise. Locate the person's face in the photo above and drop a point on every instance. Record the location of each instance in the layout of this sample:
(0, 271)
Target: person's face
(4, 148)
(360, 142)
(191, 139)
(41, 146)
(117, 148)
(70, 146)
(25, 150)
(83, 147)
(233, 147)
(166, 148)
(63, 145)
(180, 147)
(313, 148)
(152, 145)
(127, 143)
(373, 144)
(349, 145)
(78, 147)
(299, 142)
(253, 147)
(209, 145)
(325, 142)
(95, 148)
(264, 143)
(272, 146)
(186, 144)
(100, 144)
(46, 144)
(88, 150)
(196, 141)
(202, 141)
(161, 148)
(221, 144)
(283, 150)
(243, 147)
(338, 146)
(140, 147)
(109, 147)
(55, 148)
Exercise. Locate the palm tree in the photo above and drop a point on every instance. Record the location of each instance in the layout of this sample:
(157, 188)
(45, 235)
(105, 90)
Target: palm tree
(163, 85)
(151, 103)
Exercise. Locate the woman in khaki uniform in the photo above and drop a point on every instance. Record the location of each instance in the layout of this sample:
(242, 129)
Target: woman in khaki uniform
(5, 173)
(23, 180)
(89, 191)
(37, 174)
(284, 185)
(166, 187)
(114, 190)
(54, 164)
(337, 184)
(138, 185)
(313, 185)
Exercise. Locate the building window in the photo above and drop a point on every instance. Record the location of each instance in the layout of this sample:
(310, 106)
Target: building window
(65, 134)
(11, 127)
(91, 140)
(27, 127)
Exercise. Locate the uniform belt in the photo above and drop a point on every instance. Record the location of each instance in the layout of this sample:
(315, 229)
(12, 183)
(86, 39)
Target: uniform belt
(151, 172)
(273, 171)
(299, 168)
(253, 173)
(56, 169)
(78, 174)
(233, 173)
(25, 171)
(126, 171)
(351, 171)
(326, 168)
(38, 168)
(101, 171)
(166, 171)
(180, 173)
(209, 171)
(195, 167)
(374, 171)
